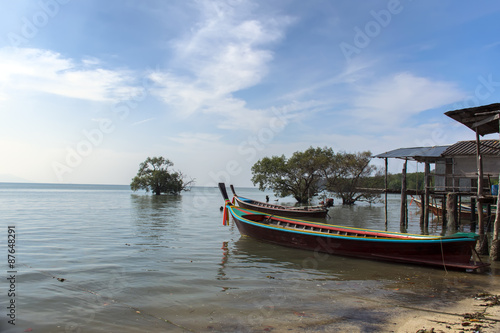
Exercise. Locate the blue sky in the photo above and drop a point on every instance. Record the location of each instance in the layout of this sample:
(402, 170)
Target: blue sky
(90, 89)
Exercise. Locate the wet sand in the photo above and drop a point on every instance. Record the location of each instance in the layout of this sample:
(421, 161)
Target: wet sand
(472, 314)
(480, 313)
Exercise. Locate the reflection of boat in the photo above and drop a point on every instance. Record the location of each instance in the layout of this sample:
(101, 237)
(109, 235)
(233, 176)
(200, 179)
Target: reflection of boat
(454, 251)
(253, 253)
(307, 211)
(465, 211)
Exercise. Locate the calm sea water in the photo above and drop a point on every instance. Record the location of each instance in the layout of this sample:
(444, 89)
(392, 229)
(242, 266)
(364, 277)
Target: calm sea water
(94, 258)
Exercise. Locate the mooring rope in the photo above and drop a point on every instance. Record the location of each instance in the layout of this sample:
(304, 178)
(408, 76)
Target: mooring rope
(442, 255)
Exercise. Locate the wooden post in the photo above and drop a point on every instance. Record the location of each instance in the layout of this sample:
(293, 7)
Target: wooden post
(426, 195)
(451, 210)
(443, 211)
(489, 226)
(495, 243)
(481, 246)
(402, 220)
(386, 185)
(422, 209)
(459, 208)
(473, 214)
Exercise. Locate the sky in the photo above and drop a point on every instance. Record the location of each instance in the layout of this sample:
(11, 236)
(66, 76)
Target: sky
(90, 89)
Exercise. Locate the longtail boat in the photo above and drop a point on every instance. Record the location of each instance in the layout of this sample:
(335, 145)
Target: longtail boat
(464, 210)
(304, 212)
(453, 251)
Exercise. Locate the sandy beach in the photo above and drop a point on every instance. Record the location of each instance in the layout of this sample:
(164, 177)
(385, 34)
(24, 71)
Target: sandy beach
(477, 313)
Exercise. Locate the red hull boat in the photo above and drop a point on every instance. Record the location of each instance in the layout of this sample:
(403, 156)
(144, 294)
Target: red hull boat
(465, 211)
(453, 251)
(304, 212)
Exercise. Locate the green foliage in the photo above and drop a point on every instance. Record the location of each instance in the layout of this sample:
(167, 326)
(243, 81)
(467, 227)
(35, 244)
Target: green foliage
(297, 176)
(307, 173)
(346, 172)
(414, 181)
(304, 173)
(155, 175)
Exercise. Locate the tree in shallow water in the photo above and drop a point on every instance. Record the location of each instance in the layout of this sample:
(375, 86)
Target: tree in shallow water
(307, 173)
(155, 175)
(299, 176)
(345, 173)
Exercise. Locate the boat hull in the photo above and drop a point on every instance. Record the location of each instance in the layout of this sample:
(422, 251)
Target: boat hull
(465, 211)
(453, 251)
(438, 211)
(448, 253)
(268, 209)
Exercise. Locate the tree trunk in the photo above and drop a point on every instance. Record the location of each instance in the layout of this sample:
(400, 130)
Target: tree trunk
(348, 202)
(301, 200)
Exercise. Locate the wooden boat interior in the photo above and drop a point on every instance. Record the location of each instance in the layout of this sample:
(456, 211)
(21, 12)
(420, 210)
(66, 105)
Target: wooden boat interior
(330, 230)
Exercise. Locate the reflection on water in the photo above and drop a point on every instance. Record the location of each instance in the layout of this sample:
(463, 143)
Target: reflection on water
(134, 262)
(155, 207)
(156, 218)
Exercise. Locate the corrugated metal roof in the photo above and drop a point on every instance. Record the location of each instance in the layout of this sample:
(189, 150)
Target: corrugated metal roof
(465, 148)
(415, 153)
(483, 118)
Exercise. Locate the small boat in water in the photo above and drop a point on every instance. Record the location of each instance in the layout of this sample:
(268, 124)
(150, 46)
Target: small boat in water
(304, 212)
(453, 251)
(464, 210)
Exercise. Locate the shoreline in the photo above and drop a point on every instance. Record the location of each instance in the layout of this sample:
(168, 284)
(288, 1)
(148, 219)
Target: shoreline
(476, 313)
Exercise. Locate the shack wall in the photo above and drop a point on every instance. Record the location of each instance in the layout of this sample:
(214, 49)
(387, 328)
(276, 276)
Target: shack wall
(464, 165)
(459, 174)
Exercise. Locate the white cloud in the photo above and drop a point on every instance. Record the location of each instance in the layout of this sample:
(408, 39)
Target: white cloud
(224, 54)
(36, 70)
(195, 139)
(395, 99)
(355, 71)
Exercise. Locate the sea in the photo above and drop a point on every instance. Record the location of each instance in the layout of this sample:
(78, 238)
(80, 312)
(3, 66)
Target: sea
(102, 258)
